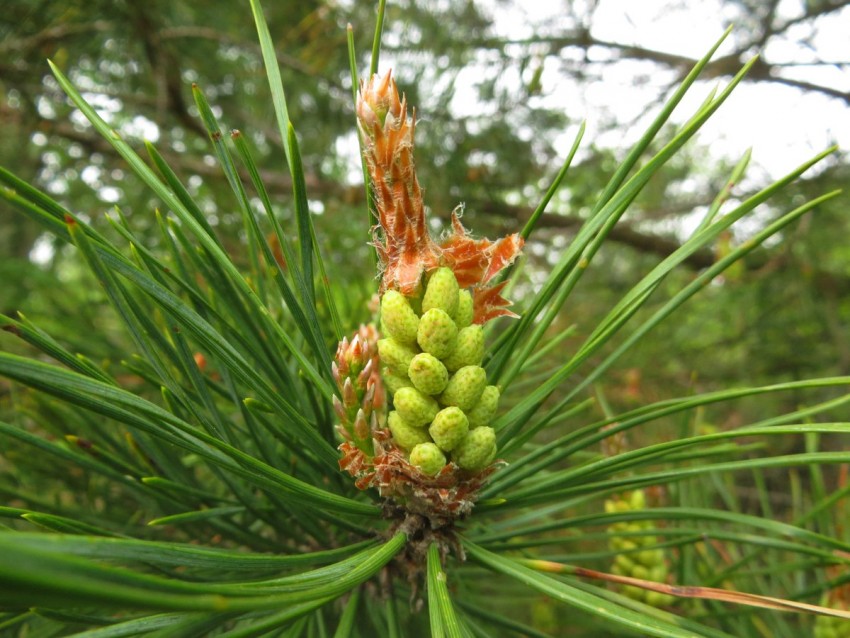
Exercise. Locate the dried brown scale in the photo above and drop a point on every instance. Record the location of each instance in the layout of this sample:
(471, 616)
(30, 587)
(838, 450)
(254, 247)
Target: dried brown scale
(388, 151)
(405, 247)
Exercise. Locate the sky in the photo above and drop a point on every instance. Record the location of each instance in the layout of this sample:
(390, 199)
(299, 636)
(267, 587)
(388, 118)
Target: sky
(784, 125)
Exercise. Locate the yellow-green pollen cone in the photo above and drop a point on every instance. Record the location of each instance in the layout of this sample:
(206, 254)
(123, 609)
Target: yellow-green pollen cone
(431, 356)
(469, 349)
(406, 435)
(428, 457)
(465, 310)
(441, 292)
(428, 373)
(477, 449)
(415, 407)
(437, 333)
(395, 382)
(485, 409)
(449, 428)
(465, 387)
(398, 318)
(394, 354)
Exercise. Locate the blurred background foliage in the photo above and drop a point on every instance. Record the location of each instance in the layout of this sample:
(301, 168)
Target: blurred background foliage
(782, 314)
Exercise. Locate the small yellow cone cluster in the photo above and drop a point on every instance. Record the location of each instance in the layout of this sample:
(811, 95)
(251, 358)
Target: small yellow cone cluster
(360, 399)
(635, 559)
(431, 359)
(830, 626)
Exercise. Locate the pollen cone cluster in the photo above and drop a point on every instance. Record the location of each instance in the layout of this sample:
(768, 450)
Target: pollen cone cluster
(635, 556)
(431, 360)
(438, 447)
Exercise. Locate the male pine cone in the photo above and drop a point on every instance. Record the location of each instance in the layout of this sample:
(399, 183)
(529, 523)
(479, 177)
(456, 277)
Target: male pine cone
(443, 405)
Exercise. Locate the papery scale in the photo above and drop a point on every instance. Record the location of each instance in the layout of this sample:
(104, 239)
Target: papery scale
(405, 248)
(449, 495)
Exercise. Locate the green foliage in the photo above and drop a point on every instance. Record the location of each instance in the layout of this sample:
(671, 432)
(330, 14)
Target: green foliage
(177, 456)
